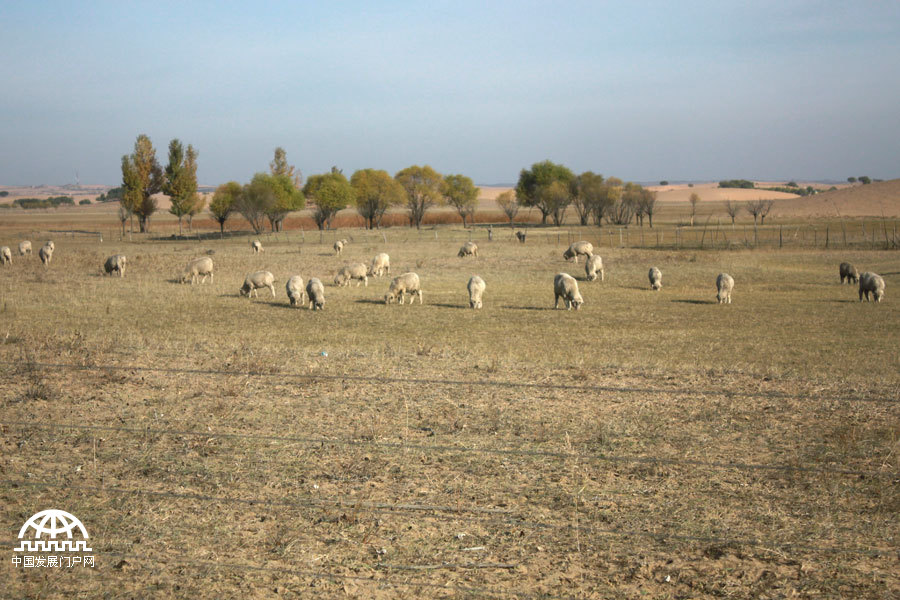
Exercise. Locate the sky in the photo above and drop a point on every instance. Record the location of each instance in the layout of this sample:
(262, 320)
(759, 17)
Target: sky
(641, 90)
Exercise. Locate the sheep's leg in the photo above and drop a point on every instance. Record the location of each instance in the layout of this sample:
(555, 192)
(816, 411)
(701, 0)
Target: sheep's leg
(601, 275)
(556, 301)
(420, 297)
(272, 287)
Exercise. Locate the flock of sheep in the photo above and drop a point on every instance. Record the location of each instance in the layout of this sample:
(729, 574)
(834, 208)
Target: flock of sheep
(565, 286)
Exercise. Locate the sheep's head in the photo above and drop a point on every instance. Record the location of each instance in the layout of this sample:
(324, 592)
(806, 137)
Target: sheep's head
(245, 289)
(577, 301)
(339, 279)
(390, 297)
(569, 254)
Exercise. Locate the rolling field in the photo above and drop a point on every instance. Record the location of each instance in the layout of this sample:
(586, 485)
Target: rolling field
(652, 443)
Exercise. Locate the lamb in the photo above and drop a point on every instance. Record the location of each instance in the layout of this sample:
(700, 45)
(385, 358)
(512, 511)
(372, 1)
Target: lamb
(5, 255)
(315, 291)
(46, 252)
(295, 292)
(408, 283)
(254, 281)
(476, 289)
(592, 266)
(256, 246)
(339, 246)
(724, 285)
(468, 249)
(521, 236)
(871, 282)
(585, 248)
(116, 263)
(849, 272)
(655, 276)
(24, 247)
(197, 267)
(381, 264)
(352, 271)
(565, 287)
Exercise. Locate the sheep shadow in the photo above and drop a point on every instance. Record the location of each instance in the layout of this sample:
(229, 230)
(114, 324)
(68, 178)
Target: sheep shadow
(695, 301)
(369, 301)
(529, 307)
(443, 305)
(833, 300)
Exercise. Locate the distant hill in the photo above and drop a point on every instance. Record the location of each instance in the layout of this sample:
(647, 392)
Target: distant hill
(870, 200)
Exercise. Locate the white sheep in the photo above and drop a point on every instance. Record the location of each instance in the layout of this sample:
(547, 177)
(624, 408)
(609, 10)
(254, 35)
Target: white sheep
(198, 267)
(655, 276)
(349, 272)
(476, 289)
(315, 291)
(724, 285)
(848, 272)
(24, 247)
(871, 282)
(592, 266)
(585, 248)
(256, 246)
(115, 263)
(339, 245)
(381, 265)
(46, 252)
(295, 291)
(408, 283)
(5, 255)
(565, 287)
(257, 280)
(468, 249)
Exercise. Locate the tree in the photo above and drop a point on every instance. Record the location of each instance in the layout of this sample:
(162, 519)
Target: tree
(851, 179)
(285, 182)
(631, 195)
(423, 187)
(460, 193)
(280, 166)
(223, 202)
(766, 206)
(141, 177)
(508, 204)
(865, 180)
(124, 215)
(663, 182)
(256, 200)
(589, 190)
(556, 198)
(331, 193)
(375, 192)
(180, 182)
(732, 209)
(608, 195)
(647, 205)
(532, 182)
(694, 200)
(194, 210)
(755, 208)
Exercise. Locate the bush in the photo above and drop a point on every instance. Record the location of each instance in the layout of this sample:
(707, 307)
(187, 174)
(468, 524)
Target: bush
(4, 194)
(84, 201)
(663, 182)
(52, 202)
(737, 183)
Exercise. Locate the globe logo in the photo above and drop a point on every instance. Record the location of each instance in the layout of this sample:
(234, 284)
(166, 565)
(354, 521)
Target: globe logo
(52, 523)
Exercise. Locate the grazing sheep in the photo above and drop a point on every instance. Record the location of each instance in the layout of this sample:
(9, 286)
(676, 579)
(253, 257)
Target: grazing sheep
(655, 278)
(408, 283)
(197, 267)
(476, 289)
(468, 249)
(24, 247)
(339, 246)
(565, 287)
(521, 236)
(315, 291)
(849, 272)
(381, 264)
(115, 263)
(254, 281)
(46, 252)
(5, 255)
(256, 246)
(724, 285)
(352, 271)
(592, 266)
(871, 282)
(295, 292)
(585, 248)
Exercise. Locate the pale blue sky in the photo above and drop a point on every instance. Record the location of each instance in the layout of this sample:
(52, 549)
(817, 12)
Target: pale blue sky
(641, 90)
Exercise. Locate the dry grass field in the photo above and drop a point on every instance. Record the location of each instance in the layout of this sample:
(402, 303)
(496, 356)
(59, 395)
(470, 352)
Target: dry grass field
(652, 444)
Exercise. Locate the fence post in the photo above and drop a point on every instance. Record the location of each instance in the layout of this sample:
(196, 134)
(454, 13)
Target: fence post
(826, 237)
(780, 237)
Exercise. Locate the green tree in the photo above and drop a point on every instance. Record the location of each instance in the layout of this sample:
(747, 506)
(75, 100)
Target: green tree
(532, 183)
(141, 177)
(865, 179)
(851, 179)
(181, 182)
(609, 195)
(331, 192)
(375, 192)
(423, 187)
(256, 200)
(285, 182)
(223, 202)
(280, 166)
(508, 204)
(460, 193)
(589, 190)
